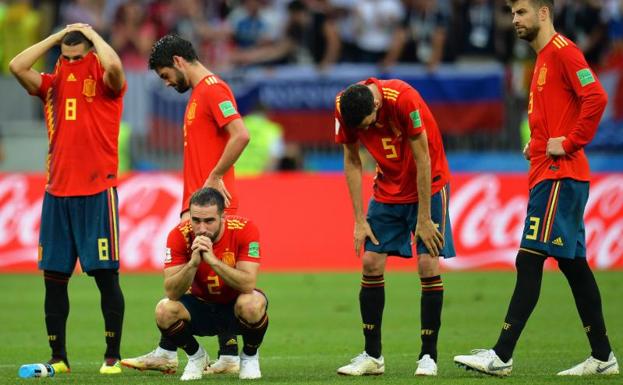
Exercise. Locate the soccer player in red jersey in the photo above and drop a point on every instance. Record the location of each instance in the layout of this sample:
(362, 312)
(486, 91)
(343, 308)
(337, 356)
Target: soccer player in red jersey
(218, 257)
(214, 138)
(214, 133)
(83, 101)
(411, 194)
(565, 104)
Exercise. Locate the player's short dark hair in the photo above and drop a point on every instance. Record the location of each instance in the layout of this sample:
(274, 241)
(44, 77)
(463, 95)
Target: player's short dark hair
(356, 103)
(75, 38)
(208, 196)
(538, 4)
(168, 46)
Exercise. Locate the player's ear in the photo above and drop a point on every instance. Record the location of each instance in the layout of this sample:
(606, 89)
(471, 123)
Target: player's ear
(178, 62)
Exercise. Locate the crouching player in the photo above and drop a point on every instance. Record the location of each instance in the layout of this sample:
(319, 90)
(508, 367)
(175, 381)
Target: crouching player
(218, 257)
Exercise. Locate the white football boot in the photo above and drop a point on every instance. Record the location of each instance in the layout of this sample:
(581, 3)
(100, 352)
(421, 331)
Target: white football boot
(223, 365)
(593, 366)
(426, 366)
(363, 365)
(159, 359)
(195, 366)
(485, 361)
(249, 367)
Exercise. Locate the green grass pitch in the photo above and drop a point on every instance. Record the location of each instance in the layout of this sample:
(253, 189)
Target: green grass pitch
(315, 328)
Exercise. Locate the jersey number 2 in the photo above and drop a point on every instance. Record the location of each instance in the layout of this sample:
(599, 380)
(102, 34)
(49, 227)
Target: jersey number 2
(214, 285)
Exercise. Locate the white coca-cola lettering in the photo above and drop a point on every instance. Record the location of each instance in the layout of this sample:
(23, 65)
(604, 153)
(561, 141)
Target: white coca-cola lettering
(149, 206)
(487, 211)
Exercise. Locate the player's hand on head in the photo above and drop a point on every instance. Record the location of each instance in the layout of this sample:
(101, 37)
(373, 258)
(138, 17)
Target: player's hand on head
(430, 236)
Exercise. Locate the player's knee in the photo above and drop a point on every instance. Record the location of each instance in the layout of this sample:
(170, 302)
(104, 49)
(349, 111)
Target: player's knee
(372, 264)
(250, 307)
(573, 267)
(167, 312)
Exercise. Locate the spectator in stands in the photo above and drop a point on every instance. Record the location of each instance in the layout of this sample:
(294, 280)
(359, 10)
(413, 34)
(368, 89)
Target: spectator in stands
(202, 26)
(20, 28)
(421, 36)
(374, 25)
(132, 35)
(345, 19)
(478, 28)
(581, 21)
(252, 24)
(311, 36)
(89, 12)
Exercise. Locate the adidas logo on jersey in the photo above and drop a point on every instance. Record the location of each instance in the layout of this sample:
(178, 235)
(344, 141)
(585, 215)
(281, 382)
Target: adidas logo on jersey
(71, 78)
(557, 242)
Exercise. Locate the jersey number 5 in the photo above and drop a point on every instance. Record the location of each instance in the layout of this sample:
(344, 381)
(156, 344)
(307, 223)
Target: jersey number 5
(387, 145)
(70, 109)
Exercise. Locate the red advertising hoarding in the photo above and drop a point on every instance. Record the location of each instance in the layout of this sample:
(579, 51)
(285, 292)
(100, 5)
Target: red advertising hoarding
(306, 223)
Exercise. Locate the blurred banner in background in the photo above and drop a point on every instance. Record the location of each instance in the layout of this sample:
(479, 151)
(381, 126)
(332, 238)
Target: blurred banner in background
(306, 223)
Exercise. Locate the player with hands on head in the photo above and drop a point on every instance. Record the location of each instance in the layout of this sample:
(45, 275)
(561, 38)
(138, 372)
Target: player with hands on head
(83, 103)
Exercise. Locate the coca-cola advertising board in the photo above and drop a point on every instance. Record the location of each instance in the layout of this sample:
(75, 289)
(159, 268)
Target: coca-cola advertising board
(306, 222)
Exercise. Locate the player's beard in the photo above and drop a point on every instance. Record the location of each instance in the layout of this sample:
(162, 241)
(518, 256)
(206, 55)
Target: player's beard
(181, 85)
(215, 234)
(529, 34)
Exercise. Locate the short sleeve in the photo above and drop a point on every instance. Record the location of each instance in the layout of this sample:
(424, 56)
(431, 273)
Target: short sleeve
(46, 83)
(221, 104)
(410, 114)
(176, 252)
(249, 243)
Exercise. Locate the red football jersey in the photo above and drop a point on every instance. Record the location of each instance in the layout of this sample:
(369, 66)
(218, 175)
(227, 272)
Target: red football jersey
(403, 114)
(240, 242)
(566, 99)
(82, 116)
(211, 106)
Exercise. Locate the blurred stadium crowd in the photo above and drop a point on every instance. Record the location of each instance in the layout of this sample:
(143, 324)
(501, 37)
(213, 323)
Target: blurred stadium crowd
(234, 36)
(237, 33)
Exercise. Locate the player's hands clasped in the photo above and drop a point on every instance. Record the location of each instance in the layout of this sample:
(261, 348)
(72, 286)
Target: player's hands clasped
(430, 236)
(363, 231)
(202, 248)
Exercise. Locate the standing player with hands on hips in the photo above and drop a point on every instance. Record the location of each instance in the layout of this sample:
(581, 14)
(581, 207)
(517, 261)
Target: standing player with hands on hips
(214, 138)
(83, 102)
(411, 195)
(565, 105)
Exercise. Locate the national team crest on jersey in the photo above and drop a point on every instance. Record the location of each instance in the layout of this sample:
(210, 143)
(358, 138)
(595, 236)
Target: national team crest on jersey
(542, 77)
(229, 258)
(88, 88)
(191, 111)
